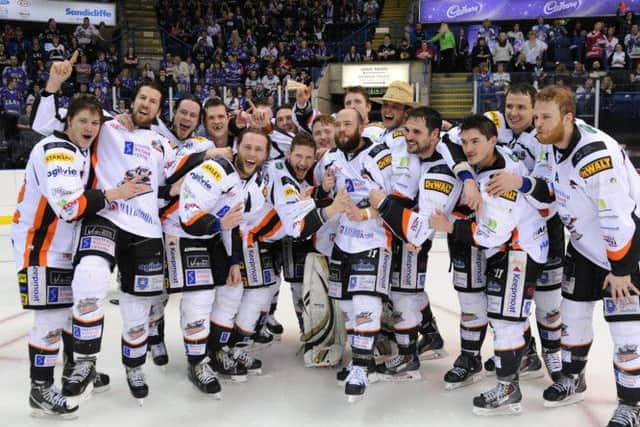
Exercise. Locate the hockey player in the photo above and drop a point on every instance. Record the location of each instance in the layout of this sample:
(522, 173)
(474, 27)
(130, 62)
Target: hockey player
(514, 237)
(323, 133)
(357, 97)
(436, 188)
(518, 135)
(597, 195)
(52, 198)
(236, 309)
(361, 259)
(128, 234)
(396, 103)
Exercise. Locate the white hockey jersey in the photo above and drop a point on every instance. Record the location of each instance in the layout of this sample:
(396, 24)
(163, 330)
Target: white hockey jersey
(360, 172)
(597, 193)
(404, 171)
(52, 197)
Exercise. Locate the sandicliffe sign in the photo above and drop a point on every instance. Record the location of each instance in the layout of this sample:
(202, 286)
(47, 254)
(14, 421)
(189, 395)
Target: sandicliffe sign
(435, 11)
(62, 11)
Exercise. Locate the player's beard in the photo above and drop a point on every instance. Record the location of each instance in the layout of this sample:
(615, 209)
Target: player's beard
(556, 135)
(350, 145)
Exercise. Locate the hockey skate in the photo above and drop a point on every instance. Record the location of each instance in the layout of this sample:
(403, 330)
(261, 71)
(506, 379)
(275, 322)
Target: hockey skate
(159, 353)
(261, 340)
(252, 365)
(503, 399)
(431, 344)
(625, 416)
(530, 365)
(568, 390)
(227, 367)
(79, 381)
(100, 383)
(204, 378)
(384, 347)
(46, 401)
(553, 363)
(467, 370)
(341, 376)
(274, 327)
(356, 383)
(400, 368)
(137, 383)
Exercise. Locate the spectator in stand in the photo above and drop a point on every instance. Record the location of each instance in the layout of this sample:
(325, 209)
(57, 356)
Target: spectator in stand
(122, 107)
(387, 50)
(539, 76)
(11, 104)
(489, 33)
(516, 38)
(101, 65)
(102, 97)
(417, 35)
(269, 53)
(319, 28)
(34, 54)
(632, 42)
(148, 73)
(128, 83)
(611, 42)
(625, 21)
(586, 88)
(47, 36)
(596, 43)
(607, 87)
(533, 49)
(252, 79)
(480, 53)
(86, 34)
(424, 53)
(83, 71)
(502, 50)
(634, 77)
(322, 54)
(284, 67)
(57, 52)
(201, 52)
(270, 81)
(520, 69)
(303, 55)
(353, 55)
(233, 72)
(462, 52)
(233, 99)
(578, 75)
(619, 61)
(130, 62)
(19, 45)
(405, 51)
(370, 9)
(500, 80)
(561, 73)
(447, 50)
(98, 82)
(596, 70)
(482, 73)
(369, 55)
(166, 82)
(113, 59)
(4, 58)
(15, 72)
(578, 40)
(41, 75)
(541, 29)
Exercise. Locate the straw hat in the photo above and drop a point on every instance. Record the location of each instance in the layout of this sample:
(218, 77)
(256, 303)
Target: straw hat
(399, 92)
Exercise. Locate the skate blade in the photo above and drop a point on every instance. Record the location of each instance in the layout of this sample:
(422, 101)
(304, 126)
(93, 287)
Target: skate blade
(401, 377)
(43, 414)
(354, 398)
(216, 396)
(372, 378)
(254, 372)
(256, 348)
(232, 379)
(101, 389)
(471, 380)
(440, 353)
(140, 402)
(531, 375)
(85, 395)
(511, 409)
(571, 400)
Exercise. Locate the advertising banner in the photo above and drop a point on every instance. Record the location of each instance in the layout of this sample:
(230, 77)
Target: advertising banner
(64, 12)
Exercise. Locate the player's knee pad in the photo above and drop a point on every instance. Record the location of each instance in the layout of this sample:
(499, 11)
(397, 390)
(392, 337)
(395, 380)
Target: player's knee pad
(195, 310)
(90, 284)
(48, 326)
(577, 318)
(225, 305)
(548, 308)
(626, 342)
(253, 303)
(507, 334)
(473, 309)
(134, 311)
(406, 310)
(367, 311)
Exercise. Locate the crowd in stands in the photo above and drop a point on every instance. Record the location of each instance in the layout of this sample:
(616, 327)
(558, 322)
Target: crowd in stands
(246, 51)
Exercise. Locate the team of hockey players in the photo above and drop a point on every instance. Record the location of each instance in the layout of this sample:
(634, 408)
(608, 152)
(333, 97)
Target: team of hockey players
(220, 218)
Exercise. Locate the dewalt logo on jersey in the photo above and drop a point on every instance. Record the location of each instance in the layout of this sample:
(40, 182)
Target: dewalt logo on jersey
(384, 162)
(596, 166)
(58, 157)
(398, 133)
(443, 187)
(510, 195)
(213, 171)
(289, 192)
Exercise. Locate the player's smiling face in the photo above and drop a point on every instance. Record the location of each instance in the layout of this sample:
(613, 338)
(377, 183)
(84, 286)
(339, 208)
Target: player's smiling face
(146, 106)
(478, 150)
(519, 111)
(82, 129)
(186, 119)
(301, 159)
(393, 114)
(252, 153)
(216, 122)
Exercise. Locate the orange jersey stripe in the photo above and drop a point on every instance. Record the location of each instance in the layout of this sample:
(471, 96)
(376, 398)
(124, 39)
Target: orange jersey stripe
(620, 253)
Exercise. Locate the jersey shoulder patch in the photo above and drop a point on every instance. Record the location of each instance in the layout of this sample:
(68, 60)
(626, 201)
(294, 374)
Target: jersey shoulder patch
(384, 162)
(377, 149)
(376, 125)
(285, 180)
(441, 169)
(226, 165)
(200, 139)
(588, 149)
(398, 134)
(59, 144)
(213, 169)
(596, 166)
(494, 116)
